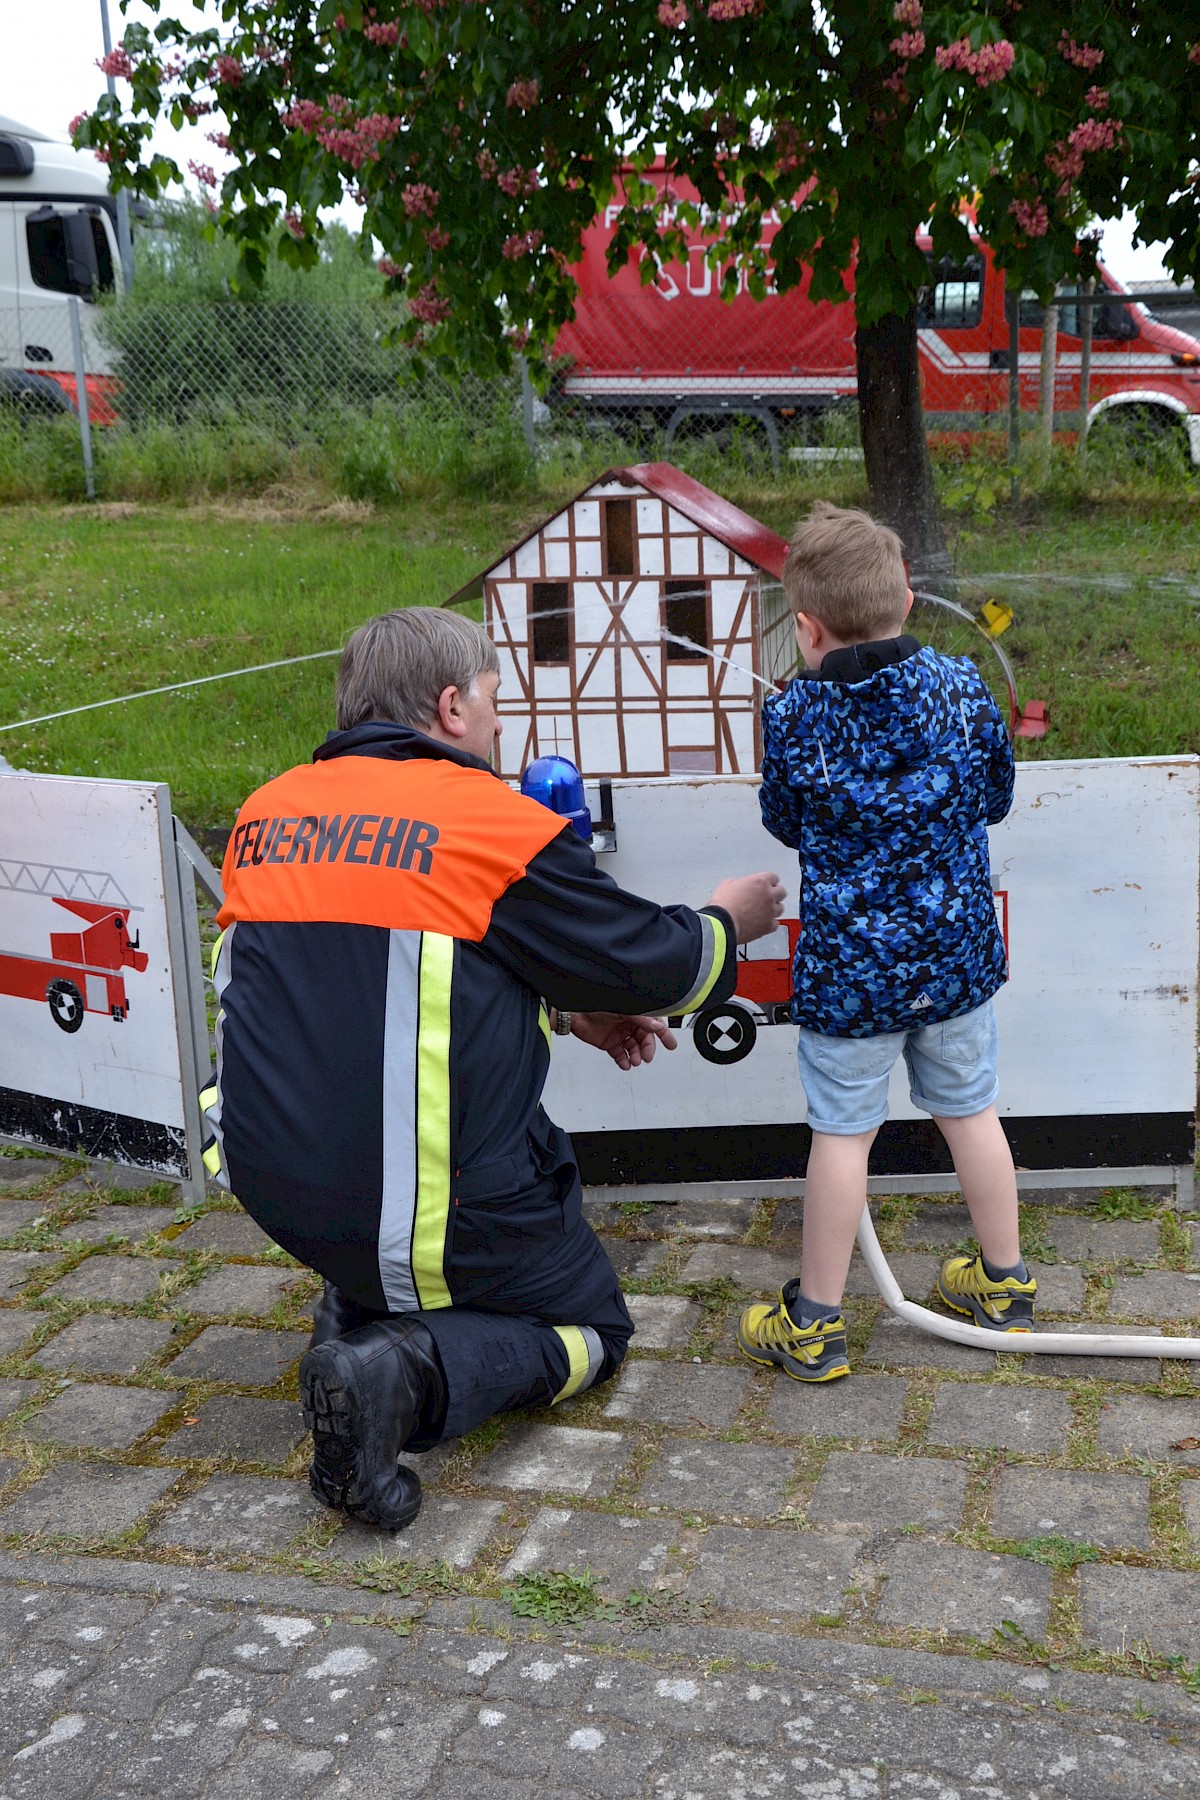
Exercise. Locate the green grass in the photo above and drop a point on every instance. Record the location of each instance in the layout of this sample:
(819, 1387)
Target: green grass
(106, 600)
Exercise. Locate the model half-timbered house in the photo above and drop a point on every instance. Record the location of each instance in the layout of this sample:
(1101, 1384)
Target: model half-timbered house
(631, 627)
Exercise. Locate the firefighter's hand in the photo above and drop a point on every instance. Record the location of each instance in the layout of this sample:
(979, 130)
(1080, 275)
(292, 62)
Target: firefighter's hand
(753, 902)
(629, 1039)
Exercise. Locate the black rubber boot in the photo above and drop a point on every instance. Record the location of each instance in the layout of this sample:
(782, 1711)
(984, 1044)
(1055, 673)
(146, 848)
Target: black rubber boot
(364, 1396)
(335, 1314)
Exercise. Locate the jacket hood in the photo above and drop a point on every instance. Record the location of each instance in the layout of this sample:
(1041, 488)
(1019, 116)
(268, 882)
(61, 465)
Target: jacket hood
(400, 743)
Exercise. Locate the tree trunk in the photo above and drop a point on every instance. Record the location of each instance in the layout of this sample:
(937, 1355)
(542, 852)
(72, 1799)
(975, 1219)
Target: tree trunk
(1046, 383)
(892, 424)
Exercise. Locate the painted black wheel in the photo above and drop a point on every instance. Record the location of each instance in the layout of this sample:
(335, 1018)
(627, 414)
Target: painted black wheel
(724, 1034)
(66, 1005)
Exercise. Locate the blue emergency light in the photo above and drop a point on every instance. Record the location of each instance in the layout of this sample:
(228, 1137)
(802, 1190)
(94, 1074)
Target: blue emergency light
(555, 782)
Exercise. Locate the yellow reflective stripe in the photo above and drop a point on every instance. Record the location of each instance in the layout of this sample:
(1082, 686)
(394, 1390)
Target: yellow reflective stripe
(208, 1097)
(719, 951)
(212, 1159)
(576, 1348)
(432, 1221)
(544, 1026)
(216, 951)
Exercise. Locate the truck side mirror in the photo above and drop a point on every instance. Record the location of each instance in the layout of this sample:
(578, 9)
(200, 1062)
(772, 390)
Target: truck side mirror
(83, 268)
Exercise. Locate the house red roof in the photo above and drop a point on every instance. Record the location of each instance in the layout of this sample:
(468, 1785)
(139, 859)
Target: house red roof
(713, 514)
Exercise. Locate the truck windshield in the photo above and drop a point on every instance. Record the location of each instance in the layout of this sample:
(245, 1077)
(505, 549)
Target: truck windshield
(954, 297)
(1110, 318)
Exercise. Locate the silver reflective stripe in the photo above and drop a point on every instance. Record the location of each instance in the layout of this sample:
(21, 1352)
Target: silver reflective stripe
(212, 1114)
(401, 1012)
(595, 1350)
(706, 972)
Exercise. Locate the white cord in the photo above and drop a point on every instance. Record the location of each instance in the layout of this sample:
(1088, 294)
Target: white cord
(172, 687)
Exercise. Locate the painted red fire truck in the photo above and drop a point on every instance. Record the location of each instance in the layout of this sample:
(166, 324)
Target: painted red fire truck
(674, 349)
(83, 972)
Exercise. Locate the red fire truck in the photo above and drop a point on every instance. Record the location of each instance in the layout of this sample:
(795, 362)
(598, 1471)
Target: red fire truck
(82, 973)
(675, 349)
(726, 1033)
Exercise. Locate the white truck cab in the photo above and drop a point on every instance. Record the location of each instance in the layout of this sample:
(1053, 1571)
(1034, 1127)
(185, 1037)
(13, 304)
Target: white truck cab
(57, 239)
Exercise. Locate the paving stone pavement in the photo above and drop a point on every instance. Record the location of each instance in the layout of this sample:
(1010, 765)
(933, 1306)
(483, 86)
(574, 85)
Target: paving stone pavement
(956, 1574)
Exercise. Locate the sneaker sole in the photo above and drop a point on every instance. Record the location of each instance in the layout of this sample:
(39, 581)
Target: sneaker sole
(331, 1414)
(769, 1359)
(959, 1304)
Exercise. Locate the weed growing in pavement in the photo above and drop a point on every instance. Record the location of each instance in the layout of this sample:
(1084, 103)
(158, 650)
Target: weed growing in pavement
(559, 1597)
(1174, 1239)
(1055, 1551)
(1036, 1243)
(1124, 1203)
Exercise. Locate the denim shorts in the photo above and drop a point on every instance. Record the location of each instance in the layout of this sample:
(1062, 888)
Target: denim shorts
(951, 1072)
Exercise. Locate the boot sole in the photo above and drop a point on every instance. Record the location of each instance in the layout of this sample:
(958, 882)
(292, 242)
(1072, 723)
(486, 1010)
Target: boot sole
(331, 1413)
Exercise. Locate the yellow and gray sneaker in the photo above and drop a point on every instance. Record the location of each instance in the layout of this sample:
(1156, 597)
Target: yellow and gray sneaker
(767, 1334)
(998, 1305)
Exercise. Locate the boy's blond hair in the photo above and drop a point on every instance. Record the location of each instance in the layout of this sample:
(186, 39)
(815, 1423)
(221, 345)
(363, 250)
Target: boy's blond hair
(847, 570)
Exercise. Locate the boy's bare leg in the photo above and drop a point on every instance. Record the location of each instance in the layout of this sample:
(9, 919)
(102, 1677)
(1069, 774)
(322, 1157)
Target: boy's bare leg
(984, 1166)
(835, 1192)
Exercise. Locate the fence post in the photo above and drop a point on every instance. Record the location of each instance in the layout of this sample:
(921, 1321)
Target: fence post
(81, 396)
(527, 404)
(1085, 369)
(1014, 388)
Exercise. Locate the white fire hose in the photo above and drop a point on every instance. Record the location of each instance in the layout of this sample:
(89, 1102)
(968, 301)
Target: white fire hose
(1060, 1343)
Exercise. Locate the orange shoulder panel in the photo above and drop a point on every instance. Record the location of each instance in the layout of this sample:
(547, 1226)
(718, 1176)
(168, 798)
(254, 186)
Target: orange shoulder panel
(363, 840)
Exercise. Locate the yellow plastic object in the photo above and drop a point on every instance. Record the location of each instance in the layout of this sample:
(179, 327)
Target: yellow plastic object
(996, 616)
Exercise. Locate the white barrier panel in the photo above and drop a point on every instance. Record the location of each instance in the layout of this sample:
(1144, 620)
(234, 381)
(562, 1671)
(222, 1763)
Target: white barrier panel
(1095, 870)
(97, 1047)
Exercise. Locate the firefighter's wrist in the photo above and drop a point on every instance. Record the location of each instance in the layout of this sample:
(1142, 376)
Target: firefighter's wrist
(560, 1022)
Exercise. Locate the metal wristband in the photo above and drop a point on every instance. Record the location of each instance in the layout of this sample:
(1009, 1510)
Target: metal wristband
(562, 1023)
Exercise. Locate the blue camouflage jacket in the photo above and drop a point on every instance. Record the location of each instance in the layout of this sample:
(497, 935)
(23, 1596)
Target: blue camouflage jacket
(886, 782)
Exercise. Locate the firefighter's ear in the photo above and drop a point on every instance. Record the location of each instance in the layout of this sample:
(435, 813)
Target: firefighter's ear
(449, 725)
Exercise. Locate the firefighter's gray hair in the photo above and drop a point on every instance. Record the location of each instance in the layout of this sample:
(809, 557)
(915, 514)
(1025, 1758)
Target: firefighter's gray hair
(847, 570)
(397, 665)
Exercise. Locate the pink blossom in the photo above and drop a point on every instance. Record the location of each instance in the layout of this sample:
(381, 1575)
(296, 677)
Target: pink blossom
(419, 200)
(907, 12)
(384, 35)
(1097, 99)
(357, 143)
(204, 175)
(294, 224)
(103, 156)
(518, 337)
(732, 9)
(991, 62)
(672, 13)
(436, 238)
(522, 95)
(227, 70)
(387, 267)
(1031, 216)
(522, 243)
(1194, 54)
(487, 165)
(428, 306)
(304, 115)
(519, 181)
(196, 109)
(76, 122)
(1082, 55)
(117, 62)
(908, 45)
(896, 84)
(219, 138)
(1096, 134)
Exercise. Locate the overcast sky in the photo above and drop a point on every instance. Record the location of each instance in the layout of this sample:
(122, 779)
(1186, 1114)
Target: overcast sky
(48, 74)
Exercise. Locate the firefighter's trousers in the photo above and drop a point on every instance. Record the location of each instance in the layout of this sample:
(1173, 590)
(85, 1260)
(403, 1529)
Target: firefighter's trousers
(552, 1329)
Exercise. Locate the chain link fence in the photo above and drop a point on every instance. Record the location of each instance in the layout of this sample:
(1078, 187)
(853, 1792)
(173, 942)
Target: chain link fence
(190, 394)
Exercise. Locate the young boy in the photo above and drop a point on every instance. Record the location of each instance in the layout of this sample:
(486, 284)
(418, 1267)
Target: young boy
(883, 765)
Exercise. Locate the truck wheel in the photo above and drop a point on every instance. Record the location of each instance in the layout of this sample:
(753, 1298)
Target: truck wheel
(1139, 436)
(724, 1034)
(66, 1005)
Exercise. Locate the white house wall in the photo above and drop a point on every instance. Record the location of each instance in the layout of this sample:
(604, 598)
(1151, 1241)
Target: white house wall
(612, 705)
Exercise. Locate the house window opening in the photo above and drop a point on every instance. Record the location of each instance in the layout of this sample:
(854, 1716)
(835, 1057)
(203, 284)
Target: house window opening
(685, 615)
(551, 622)
(618, 537)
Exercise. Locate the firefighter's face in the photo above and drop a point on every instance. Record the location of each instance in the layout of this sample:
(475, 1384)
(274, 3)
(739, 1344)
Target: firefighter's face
(477, 710)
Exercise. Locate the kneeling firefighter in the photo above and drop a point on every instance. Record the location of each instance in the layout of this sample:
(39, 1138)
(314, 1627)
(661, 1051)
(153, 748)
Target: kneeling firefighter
(402, 934)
